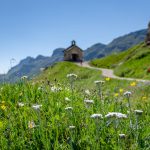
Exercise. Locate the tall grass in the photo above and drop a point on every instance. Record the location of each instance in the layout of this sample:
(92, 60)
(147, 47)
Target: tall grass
(54, 126)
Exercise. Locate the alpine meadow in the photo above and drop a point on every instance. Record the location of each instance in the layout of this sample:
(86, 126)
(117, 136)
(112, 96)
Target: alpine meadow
(74, 75)
(74, 109)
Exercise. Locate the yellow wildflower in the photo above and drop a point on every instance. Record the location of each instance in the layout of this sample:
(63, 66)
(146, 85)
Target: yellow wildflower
(144, 98)
(3, 107)
(120, 90)
(116, 94)
(133, 84)
(107, 79)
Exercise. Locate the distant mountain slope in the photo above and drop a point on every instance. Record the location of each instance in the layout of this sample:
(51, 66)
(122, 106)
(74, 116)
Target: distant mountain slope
(119, 44)
(31, 66)
(94, 51)
(134, 62)
(125, 42)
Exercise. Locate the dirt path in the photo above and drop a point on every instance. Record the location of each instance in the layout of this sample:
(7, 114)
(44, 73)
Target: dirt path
(110, 73)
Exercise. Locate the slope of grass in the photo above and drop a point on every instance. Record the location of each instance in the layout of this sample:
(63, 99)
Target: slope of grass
(48, 114)
(131, 63)
(58, 72)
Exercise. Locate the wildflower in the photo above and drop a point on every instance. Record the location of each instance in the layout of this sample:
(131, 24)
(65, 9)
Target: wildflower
(20, 94)
(20, 104)
(116, 94)
(31, 124)
(68, 108)
(138, 112)
(24, 77)
(115, 115)
(55, 89)
(89, 101)
(122, 136)
(67, 99)
(99, 82)
(144, 97)
(3, 107)
(97, 116)
(128, 112)
(73, 76)
(107, 79)
(36, 107)
(87, 92)
(120, 90)
(40, 88)
(133, 84)
(127, 94)
(72, 127)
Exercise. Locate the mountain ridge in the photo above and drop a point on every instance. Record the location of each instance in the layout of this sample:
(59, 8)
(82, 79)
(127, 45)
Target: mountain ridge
(133, 62)
(31, 66)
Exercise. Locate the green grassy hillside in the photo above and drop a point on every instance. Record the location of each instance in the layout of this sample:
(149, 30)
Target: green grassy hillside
(48, 113)
(131, 63)
(58, 72)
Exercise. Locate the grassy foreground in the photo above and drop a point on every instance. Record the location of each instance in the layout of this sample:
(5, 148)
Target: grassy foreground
(131, 63)
(50, 112)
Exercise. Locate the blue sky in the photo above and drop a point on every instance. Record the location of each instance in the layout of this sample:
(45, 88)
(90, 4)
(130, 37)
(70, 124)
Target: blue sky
(33, 27)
